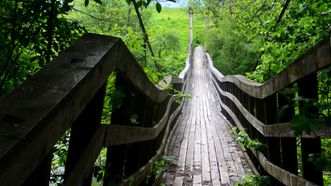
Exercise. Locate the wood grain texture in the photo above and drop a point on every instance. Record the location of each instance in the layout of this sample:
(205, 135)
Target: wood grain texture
(202, 142)
(37, 113)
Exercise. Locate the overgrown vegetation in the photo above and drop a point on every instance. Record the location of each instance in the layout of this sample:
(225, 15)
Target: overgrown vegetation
(158, 168)
(32, 33)
(254, 180)
(243, 138)
(255, 38)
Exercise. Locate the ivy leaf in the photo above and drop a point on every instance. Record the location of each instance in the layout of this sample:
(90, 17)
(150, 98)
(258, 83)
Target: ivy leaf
(87, 2)
(158, 7)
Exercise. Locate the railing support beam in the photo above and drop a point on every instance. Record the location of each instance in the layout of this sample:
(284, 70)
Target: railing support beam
(41, 175)
(288, 145)
(308, 88)
(82, 131)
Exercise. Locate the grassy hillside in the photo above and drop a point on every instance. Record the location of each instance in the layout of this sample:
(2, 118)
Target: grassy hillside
(174, 21)
(168, 31)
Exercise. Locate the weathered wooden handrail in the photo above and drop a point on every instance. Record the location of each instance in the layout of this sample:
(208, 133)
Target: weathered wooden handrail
(68, 93)
(253, 107)
(315, 59)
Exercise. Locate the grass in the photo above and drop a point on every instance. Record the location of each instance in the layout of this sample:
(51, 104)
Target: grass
(176, 20)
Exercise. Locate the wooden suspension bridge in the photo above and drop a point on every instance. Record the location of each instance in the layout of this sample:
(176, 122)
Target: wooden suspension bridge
(69, 94)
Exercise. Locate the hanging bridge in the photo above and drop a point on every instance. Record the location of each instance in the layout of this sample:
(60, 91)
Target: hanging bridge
(67, 97)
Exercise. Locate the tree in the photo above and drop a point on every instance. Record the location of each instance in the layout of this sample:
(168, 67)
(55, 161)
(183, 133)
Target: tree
(32, 33)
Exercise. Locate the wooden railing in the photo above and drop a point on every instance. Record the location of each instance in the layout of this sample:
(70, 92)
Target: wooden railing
(69, 93)
(253, 107)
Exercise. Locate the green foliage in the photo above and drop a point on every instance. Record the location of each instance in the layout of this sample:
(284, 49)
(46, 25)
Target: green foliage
(108, 100)
(133, 119)
(253, 23)
(86, 2)
(169, 37)
(158, 7)
(146, 3)
(323, 160)
(243, 138)
(324, 93)
(254, 180)
(231, 51)
(153, 75)
(117, 98)
(32, 33)
(312, 114)
(179, 95)
(99, 166)
(115, 18)
(159, 166)
(304, 24)
(59, 159)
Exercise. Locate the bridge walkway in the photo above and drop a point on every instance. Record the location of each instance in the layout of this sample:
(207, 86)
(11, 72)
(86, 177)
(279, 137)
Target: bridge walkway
(202, 145)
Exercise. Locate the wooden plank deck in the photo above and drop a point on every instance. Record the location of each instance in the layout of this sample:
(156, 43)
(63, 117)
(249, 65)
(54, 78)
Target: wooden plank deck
(202, 144)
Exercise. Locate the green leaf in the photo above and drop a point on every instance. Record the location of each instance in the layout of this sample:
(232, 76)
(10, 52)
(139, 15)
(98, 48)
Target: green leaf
(98, 1)
(158, 7)
(145, 4)
(139, 3)
(133, 119)
(303, 124)
(148, 2)
(87, 2)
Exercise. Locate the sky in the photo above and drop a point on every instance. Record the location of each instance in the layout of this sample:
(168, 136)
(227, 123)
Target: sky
(178, 4)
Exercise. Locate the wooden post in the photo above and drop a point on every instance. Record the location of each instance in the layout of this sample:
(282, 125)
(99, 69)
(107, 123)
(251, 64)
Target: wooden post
(266, 110)
(41, 174)
(116, 155)
(288, 145)
(308, 89)
(133, 158)
(207, 19)
(251, 109)
(191, 30)
(83, 130)
(122, 159)
(273, 142)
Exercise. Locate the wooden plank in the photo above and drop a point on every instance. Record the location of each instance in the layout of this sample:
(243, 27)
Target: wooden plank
(125, 68)
(82, 132)
(190, 147)
(206, 180)
(208, 140)
(214, 173)
(125, 134)
(139, 176)
(82, 168)
(53, 99)
(183, 147)
(308, 88)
